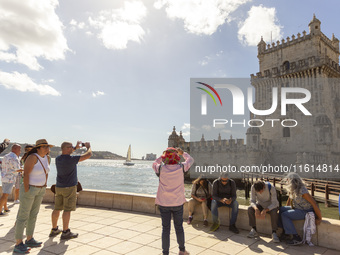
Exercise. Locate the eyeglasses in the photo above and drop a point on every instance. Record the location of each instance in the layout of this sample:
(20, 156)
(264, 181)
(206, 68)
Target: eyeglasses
(224, 180)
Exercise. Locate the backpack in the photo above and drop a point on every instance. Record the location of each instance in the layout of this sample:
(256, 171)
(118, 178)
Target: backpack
(209, 198)
(269, 186)
(160, 166)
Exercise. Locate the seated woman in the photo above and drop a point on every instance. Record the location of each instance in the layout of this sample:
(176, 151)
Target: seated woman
(299, 203)
(200, 193)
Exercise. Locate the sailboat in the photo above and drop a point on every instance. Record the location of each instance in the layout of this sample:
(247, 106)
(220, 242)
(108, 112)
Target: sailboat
(128, 158)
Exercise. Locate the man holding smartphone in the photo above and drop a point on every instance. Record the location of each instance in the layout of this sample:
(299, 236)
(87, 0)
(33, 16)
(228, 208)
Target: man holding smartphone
(66, 187)
(224, 194)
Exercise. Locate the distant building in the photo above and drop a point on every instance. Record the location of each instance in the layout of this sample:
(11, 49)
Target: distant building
(150, 156)
(309, 61)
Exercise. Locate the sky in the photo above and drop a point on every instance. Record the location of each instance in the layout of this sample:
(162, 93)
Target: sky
(116, 73)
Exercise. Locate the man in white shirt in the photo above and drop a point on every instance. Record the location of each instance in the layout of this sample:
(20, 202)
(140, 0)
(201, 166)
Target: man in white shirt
(10, 168)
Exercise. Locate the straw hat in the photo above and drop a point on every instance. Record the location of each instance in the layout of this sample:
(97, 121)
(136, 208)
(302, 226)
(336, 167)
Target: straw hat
(42, 142)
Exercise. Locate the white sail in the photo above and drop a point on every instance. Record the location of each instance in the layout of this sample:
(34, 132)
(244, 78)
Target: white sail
(128, 156)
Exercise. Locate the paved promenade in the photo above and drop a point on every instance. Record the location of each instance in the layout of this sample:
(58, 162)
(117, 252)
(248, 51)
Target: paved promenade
(103, 231)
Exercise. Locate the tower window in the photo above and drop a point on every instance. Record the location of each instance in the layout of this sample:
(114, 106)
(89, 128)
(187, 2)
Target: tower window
(316, 27)
(286, 132)
(286, 65)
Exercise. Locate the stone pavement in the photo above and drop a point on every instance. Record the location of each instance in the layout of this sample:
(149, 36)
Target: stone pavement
(103, 231)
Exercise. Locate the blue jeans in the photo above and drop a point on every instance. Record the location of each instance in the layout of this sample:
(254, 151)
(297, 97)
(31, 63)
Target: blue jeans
(234, 210)
(177, 212)
(286, 217)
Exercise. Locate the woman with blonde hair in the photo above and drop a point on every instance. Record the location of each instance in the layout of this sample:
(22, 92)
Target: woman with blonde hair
(200, 194)
(299, 203)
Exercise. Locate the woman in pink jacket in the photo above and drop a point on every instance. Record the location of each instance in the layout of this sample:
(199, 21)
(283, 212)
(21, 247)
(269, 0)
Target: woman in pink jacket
(170, 195)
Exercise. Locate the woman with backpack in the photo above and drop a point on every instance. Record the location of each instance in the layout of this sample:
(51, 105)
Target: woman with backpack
(200, 194)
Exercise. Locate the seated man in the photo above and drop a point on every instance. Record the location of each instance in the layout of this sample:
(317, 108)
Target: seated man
(224, 194)
(263, 200)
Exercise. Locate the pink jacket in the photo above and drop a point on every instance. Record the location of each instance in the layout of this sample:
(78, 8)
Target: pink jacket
(171, 182)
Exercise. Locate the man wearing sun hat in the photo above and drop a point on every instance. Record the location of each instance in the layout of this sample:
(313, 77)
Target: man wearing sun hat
(170, 195)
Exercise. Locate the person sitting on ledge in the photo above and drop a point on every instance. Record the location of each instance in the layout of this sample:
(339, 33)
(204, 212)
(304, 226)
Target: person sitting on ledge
(263, 200)
(224, 194)
(299, 203)
(200, 194)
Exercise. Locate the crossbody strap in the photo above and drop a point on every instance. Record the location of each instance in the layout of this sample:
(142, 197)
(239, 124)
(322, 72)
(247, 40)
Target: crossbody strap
(44, 169)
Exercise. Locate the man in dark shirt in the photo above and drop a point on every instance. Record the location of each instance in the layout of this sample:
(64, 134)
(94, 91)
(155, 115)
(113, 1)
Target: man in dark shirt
(66, 187)
(224, 194)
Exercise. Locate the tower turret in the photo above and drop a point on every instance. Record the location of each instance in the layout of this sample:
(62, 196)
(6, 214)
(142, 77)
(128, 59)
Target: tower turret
(315, 26)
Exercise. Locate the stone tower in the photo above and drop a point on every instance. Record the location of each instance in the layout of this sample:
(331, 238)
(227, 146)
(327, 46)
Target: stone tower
(308, 61)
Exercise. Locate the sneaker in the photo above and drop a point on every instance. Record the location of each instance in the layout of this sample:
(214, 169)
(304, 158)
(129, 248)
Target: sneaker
(54, 232)
(68, 235)
(7, 211)
(189, 220)
(17, 201)
(33, 243)
(252, 233)
(275, 238)
(21, 248)
(215, 226)
(296, 240)
(205, 223)
(183, 253)
(234, 229)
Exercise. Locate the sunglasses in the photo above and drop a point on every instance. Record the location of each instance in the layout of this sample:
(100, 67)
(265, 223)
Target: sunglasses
(224, 180)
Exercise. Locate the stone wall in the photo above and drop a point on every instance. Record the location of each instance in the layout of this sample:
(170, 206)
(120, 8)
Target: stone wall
(328, 232)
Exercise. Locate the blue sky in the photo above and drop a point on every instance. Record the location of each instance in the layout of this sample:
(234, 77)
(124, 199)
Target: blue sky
(118, 72)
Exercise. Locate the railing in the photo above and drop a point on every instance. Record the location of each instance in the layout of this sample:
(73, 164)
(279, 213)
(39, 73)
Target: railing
(322, 190)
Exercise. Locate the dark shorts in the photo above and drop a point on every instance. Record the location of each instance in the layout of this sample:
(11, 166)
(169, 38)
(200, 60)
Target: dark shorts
(65, 198)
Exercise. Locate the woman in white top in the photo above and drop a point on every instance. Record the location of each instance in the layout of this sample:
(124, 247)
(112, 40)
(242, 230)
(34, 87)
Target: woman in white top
(33, 189)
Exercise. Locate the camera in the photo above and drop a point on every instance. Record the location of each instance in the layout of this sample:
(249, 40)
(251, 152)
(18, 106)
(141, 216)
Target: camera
(82, 144)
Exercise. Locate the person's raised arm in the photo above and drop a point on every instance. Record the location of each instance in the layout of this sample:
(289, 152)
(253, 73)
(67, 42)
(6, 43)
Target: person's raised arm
(4, 145)
(87, 154)
(188, 159)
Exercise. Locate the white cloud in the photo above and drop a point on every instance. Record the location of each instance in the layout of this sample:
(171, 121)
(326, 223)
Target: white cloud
(98, 93)
(23, 83)
(211, 57)
(261, 21)
(30, 29)
(186, 129)
(186, 126)
(119, 26)
(74, 24)
(200, 16)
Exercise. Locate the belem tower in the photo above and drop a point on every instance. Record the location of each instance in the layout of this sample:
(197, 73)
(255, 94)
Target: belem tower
(307, 60)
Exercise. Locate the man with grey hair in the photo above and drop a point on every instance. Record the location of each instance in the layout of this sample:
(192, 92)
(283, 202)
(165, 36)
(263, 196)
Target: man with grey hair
(10, 168)
(224, 194)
